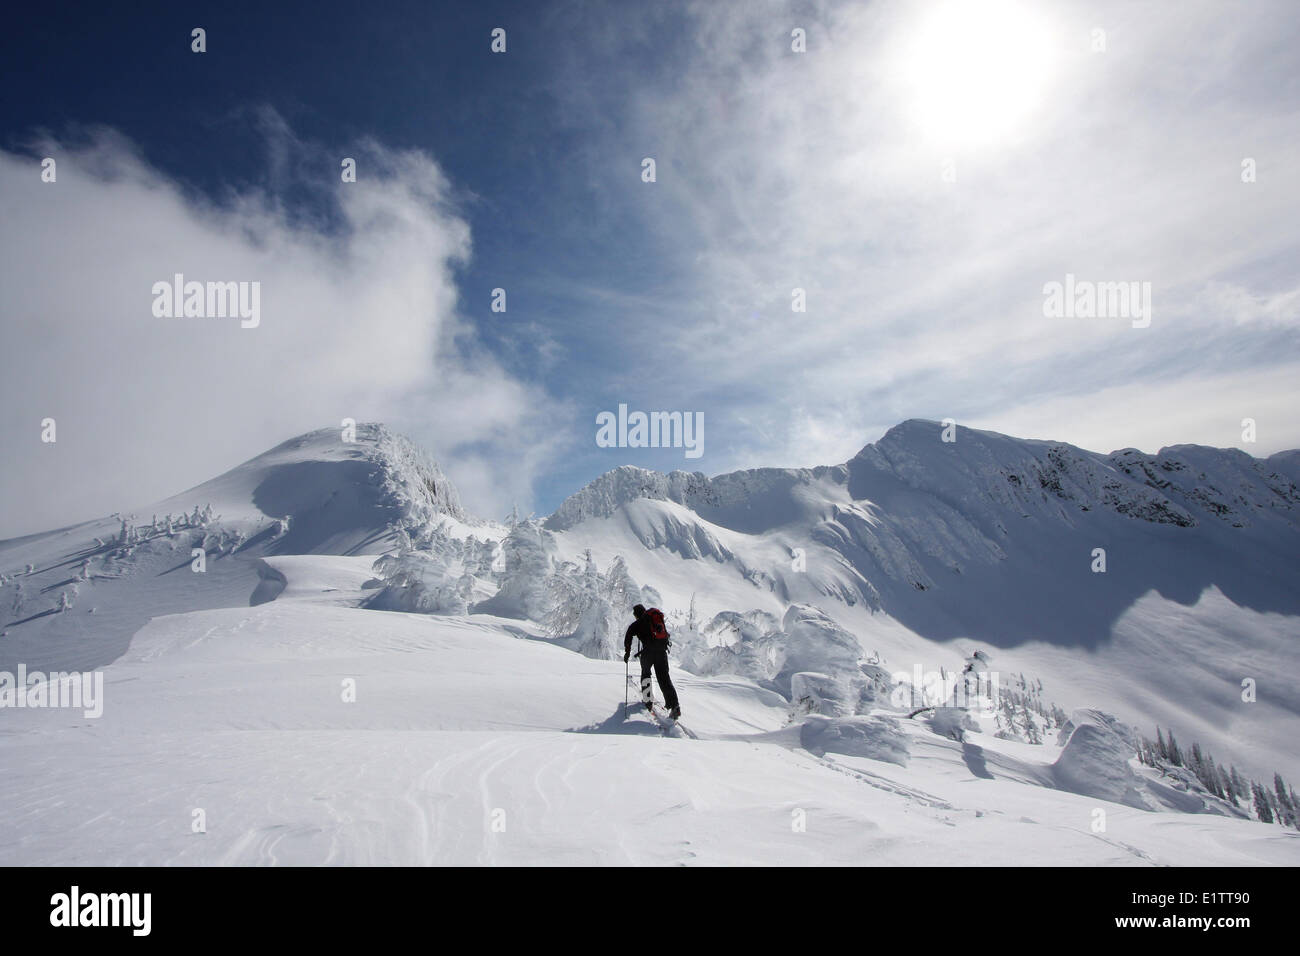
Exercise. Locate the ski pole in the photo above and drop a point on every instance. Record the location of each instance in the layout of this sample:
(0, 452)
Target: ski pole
(627, 676)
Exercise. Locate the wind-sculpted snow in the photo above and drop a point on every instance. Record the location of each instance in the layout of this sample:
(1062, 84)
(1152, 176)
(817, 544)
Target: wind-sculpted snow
(1095, 761)
(876, 738)
(413, 479)
(682, 534)
(815, 643)
(952, 722)
(807, 658)
(271, 583)
(866, 540)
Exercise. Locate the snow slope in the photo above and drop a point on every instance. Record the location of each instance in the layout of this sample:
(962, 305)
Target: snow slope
(470, 742)
(477, 738)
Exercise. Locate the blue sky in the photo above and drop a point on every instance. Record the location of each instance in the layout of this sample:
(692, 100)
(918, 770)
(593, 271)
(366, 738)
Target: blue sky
(821, 170)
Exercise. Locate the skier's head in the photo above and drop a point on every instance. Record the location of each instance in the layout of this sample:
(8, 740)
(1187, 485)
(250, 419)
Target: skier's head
(638, 610)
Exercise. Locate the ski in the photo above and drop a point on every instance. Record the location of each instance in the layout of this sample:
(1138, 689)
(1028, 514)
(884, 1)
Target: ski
(668, 724)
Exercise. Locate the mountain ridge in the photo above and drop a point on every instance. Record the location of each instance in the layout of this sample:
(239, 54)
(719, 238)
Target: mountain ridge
(892, 452)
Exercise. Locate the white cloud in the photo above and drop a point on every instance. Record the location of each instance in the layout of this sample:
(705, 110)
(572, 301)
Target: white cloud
(1151, 416)
(358, 319)
(1231, 301)
(780, 170)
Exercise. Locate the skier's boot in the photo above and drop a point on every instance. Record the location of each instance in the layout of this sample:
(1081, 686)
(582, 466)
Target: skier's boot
(675, 712)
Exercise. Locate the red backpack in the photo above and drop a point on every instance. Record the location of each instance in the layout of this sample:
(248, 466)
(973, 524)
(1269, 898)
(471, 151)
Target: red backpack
(657, 629)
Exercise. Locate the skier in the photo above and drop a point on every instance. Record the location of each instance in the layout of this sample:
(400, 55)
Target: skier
(649, 628)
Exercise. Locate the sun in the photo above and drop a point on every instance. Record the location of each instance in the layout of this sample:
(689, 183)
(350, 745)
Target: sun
(975, 70)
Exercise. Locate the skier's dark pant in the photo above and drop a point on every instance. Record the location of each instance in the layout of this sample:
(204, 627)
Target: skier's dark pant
(655, 654)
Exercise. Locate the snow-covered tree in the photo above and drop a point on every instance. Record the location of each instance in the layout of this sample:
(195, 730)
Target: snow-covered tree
(621, 590)
(481, 557)
(434, 575)
(402, 542)
(590, 610)
(526, 556)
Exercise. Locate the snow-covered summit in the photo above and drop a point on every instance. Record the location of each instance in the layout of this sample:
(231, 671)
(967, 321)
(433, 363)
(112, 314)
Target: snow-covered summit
(1181, 485)
(74, 596)
(984, 474)
(914, 512)
(341, 492)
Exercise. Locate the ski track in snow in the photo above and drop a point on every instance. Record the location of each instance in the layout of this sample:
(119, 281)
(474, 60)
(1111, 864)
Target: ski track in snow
(871, 780)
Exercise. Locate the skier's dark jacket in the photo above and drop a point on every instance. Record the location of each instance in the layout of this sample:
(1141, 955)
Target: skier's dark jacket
(640, 628)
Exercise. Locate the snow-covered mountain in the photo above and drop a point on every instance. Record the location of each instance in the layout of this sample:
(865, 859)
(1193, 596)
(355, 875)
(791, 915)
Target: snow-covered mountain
(983, 516)
(356, 670)
(339, 497)
(925, 549)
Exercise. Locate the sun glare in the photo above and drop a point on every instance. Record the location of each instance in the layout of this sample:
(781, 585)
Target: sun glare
(976, 70)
